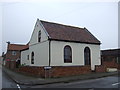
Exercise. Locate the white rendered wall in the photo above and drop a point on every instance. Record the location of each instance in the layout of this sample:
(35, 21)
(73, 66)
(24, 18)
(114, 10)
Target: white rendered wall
(40, 49)
(24, 57)
(57, 54)
(34, 38)
(41, 54)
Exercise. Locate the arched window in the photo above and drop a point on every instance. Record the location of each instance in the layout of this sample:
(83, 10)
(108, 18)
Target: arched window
(39, 36)
(87, 56)
(32, 58)
(67, 54)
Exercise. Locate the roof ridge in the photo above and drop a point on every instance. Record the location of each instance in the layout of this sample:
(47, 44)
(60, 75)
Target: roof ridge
(62, 24)
(17, 46)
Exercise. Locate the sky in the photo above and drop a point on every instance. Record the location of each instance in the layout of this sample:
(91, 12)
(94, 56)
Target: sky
(119, 24)
(0, 29)
(17, 19)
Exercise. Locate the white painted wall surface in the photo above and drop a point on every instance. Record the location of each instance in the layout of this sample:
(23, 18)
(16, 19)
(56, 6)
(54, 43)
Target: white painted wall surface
(40, 49)
(34, 37)
(57, 54)
(24, 57)
(41, 54)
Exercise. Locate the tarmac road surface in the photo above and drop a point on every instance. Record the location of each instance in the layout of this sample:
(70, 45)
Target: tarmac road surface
(106, 82)
(7, 82)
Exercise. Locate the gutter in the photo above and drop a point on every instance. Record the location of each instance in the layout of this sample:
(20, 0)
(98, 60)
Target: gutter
(47, 68)
(73, 41)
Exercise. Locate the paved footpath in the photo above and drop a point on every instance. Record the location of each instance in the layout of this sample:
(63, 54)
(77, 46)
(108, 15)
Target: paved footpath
(30, 80)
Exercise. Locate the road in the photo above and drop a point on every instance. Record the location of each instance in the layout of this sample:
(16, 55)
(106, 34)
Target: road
(106, 82)
(7, 82)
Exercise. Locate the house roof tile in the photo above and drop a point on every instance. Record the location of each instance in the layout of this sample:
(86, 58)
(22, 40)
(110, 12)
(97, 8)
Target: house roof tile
(69, 33)
(17, 47)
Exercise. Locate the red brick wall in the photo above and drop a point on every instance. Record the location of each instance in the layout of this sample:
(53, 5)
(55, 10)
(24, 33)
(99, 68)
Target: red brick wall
(107, 64)
(110, 64)
(12, 59)
(56, 71)
(69, 70)
(7, 64)
(59, 71)
(11, 64)
(110, 61)
(32, 70)
(100, 68)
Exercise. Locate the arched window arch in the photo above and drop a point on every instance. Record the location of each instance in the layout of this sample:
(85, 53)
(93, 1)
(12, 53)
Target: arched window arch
(32, 58)
(39, 36)
(87, 56)
(67, 54)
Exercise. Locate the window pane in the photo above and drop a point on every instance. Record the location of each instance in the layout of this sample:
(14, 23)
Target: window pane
(39, 36)
(67, 54)
(28, 57)
(32, 58)
(87, 56)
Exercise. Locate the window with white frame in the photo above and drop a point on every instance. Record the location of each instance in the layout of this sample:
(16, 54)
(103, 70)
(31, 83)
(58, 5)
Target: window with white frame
(67, 54)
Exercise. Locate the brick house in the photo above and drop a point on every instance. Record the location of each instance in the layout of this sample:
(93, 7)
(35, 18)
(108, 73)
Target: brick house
(57, 50)
(13, 55)
(110, 57)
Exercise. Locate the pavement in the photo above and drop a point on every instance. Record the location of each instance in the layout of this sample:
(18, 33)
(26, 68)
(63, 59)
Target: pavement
(30, 80)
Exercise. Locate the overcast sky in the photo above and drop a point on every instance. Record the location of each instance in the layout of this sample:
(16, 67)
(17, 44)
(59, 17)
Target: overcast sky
(100, 18)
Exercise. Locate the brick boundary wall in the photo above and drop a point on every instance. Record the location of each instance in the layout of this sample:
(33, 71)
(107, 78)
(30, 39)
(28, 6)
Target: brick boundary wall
(7, 64)
(55, 71)
(60, 71)
(111, 64)
(32, 70)
(100, 68)
(11, 64)
(105, 65)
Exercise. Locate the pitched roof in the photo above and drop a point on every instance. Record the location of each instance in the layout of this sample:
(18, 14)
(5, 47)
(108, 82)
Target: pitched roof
(69, 33)
(17, 47)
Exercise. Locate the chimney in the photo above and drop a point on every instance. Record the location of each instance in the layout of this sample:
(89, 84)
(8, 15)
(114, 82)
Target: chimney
(8, 42)
(2, 54)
